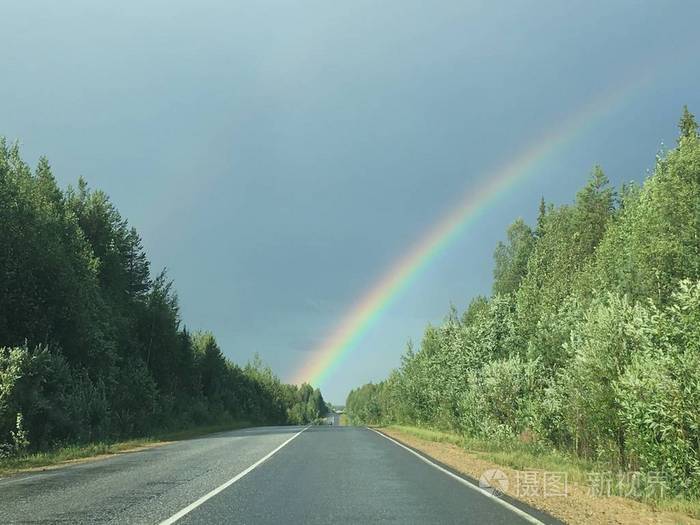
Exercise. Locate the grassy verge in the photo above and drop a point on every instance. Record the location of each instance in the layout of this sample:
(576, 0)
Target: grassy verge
(72, 453)
(524, 456)
(519, 456)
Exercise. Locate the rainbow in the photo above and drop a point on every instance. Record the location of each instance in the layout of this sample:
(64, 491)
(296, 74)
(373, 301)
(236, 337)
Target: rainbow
(326, 358)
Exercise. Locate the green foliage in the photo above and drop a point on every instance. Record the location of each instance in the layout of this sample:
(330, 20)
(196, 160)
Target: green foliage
(506, 390)
(511, 259)
(653, 244)
(91, 344)
(659, 395)
(564, 250)
(48, 278)
(20, 439)
(364, 404)
(687, 125)
(601, 346)
(590, 344)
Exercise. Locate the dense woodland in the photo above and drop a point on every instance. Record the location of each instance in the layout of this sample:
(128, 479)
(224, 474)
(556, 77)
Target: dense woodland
(91, 343)
(590, 341)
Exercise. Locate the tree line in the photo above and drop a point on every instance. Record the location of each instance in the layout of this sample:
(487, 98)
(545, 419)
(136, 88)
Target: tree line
(92, 345)
(590, 340)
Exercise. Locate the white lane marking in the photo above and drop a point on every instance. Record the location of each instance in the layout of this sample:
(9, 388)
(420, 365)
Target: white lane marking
(11, 480)
(175, 517)
(463, 481)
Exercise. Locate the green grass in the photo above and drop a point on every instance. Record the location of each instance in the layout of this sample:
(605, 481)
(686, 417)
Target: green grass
(524, 456)
(72, 452)
(192, 432)
(67, 453)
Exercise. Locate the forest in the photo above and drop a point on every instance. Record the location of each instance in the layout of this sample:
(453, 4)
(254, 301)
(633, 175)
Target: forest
(589, 343)
(92, 346)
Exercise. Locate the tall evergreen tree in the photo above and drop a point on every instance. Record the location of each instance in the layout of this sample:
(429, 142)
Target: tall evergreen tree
(688, 125)
(542, 212)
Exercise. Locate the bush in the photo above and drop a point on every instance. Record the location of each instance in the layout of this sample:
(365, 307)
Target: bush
(86, 408)
(659, 396)
(135, 400)
(31, 383)
(500, 400)
(602, 344)
(45, 401)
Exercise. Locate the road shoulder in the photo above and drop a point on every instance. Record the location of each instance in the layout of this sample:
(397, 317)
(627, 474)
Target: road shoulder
(88, 452)
(578, 506)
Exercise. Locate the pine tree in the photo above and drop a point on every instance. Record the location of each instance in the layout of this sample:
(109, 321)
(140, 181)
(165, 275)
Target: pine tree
(46, 183)
(594, 207)
(687, 125)
(539, 232)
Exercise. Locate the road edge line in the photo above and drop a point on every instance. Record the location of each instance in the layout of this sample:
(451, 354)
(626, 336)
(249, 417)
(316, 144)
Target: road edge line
(189, 508)
(463, 481)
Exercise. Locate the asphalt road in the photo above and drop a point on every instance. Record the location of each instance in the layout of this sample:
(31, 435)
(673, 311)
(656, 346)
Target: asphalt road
(325, 474)
(333, 419)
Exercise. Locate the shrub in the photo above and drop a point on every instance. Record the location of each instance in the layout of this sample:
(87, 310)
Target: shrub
(509, 387)
(602, 344)
(31, 384)
(659, 396)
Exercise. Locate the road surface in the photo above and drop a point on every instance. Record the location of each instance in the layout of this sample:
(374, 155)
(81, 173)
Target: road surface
(269, 475)
(333, 419)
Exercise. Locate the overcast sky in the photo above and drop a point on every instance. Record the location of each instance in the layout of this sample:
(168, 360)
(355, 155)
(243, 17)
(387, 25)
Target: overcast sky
(277, 157)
